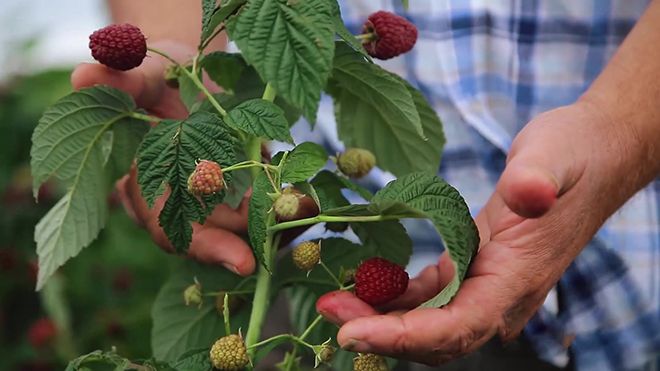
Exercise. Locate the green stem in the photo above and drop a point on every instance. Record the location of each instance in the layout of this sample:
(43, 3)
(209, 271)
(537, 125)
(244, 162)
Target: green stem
(366, 36)
(253, 152)
(332, 275)
(330, 219)
(225, 314)
(261, 300)
(208, 41)
(207, 93)
(269, 93)
(311, 326)
(164, 55)
(247, 165)
(143, 117)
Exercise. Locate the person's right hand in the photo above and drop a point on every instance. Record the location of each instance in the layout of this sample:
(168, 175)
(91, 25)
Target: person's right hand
(218, 240)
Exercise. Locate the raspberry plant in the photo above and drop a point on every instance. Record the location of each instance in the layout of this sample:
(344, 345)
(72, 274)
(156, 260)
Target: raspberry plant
(291, 52)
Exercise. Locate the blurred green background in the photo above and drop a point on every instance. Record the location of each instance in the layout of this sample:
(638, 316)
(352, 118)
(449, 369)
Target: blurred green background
(100, 299)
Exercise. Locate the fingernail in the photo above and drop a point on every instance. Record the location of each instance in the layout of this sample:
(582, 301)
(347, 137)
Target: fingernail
(230, 267)
(355, 345)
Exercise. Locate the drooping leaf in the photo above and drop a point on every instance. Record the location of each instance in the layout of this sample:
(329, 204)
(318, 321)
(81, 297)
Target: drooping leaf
(290, 44)
(258, 214)
(75, 140)
(376, 111)
(168, 155)
(433, 198)
(387, 239)
(179, 329)
(223, 68)
(305, 160)
(261, 118)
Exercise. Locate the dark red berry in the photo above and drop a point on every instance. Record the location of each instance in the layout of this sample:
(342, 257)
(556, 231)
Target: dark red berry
(393, 35)
(118, 46)
(378, 281)
(41, 332)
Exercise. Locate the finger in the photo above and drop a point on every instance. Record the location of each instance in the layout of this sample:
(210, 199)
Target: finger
(235, 220)
(221, 247)
(431, 335)
(124, 197)
(339, 307)
(426, 285)
(541, 166)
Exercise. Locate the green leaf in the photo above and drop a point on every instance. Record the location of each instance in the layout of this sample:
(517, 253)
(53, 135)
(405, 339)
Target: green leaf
(196, 360)
(168, 155)
(250, 86)
(387, 239)
(430, 196)
(208, 7)
(345, 34)
(430, 123)
(305, 160)
(290, 44)
(258, 214)
(261, 118)
(99, 358)
(72, 144)
(328, 188)
(223, 68)
(376, 111)
(226, 8)
(177, 328)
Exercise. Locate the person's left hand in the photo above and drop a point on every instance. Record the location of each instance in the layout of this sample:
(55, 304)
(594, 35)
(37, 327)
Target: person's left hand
(550, 200)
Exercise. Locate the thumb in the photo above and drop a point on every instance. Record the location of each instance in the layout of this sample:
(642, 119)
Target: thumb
(541, 166)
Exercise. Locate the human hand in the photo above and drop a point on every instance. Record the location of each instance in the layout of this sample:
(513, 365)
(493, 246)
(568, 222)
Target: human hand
(218, 240)
(559, 185)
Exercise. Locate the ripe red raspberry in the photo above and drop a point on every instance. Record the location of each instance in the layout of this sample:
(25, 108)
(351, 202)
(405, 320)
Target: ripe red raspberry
(206, 179)
(118, 46)
(393, 35)
(378, 281)
(41, 332)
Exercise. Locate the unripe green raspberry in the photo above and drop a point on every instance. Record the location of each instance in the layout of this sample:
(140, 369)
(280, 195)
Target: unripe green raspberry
(192, 295)
(369, 362)
(326, 353)
(229, 353)
(287, 204)
(356, 162)
(306, 255)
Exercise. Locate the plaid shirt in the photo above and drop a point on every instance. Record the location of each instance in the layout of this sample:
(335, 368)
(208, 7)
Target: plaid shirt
(488, 67)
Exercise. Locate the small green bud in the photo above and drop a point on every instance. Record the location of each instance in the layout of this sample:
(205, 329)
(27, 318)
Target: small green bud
(192, 295)
(356, 162)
